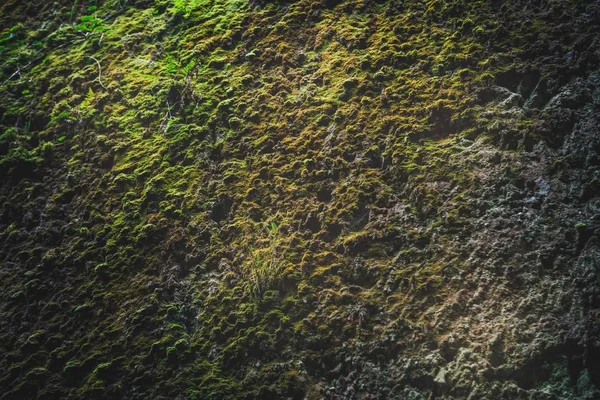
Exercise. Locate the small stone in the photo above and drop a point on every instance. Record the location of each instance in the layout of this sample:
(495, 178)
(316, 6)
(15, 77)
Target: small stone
(440, 377)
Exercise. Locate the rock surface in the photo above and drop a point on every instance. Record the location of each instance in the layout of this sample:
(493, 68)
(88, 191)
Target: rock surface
(215, 199)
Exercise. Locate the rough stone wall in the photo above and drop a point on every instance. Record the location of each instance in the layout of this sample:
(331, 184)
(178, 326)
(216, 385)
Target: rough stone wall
(215, 199)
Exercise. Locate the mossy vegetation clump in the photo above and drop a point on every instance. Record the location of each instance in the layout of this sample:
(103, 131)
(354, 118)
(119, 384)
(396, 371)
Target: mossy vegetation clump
(218, 199)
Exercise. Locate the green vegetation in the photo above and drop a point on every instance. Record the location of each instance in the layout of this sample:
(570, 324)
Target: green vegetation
(265, 267)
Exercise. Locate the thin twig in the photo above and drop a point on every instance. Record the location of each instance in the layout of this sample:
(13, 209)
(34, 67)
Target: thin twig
(18, 71)
(99, 71)
(169, 109)
(56, 48)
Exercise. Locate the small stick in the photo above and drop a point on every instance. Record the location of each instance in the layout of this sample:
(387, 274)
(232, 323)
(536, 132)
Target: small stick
(99, 71)
(18, 71)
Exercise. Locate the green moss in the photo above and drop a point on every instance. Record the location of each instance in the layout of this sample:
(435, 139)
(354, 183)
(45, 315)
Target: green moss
(338, 126)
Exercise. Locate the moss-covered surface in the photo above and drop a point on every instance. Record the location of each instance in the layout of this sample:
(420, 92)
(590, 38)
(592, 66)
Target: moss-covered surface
(208, 199)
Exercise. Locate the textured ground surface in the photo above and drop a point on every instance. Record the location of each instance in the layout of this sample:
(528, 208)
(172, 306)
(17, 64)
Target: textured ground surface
(218, 199)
